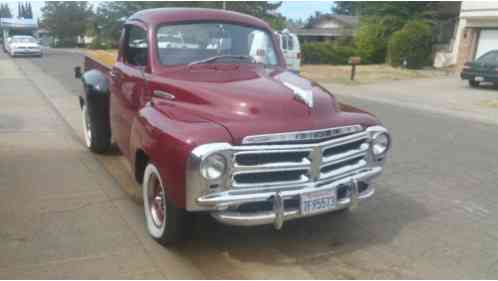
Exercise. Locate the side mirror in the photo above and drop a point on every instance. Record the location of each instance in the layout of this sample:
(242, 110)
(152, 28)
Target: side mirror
(77, 72)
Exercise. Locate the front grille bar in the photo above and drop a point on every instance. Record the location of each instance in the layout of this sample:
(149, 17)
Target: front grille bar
(308, 162)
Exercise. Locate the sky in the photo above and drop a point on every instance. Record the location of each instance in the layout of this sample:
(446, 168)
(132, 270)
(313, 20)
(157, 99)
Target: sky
(289, 9)
(303, 9)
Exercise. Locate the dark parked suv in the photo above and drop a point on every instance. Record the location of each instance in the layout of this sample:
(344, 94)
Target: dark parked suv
(483, 69)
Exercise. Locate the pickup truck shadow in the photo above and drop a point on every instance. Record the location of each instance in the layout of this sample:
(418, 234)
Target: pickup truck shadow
(301, 242)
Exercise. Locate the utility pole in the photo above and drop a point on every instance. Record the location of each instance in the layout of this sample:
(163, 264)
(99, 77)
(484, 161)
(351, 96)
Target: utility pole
(224, 5)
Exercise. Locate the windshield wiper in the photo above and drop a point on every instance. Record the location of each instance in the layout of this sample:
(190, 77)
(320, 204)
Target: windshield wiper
(211, 59)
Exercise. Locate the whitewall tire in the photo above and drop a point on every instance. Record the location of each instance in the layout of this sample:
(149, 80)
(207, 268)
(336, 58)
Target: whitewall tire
(165, 223)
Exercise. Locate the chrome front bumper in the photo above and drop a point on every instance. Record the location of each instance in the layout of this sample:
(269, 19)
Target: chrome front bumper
(278, 215)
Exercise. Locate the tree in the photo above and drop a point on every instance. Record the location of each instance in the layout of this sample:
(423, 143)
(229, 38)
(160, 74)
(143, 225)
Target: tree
(344, 8)
(25, 11)
(313, 19)
(5, 11)
(371, 43)
(112, 14)
(30, 11)
(66, 19)
(412, 43)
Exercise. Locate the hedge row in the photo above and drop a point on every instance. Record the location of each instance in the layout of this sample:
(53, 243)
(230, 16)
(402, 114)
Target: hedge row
(374, 44)
(326, 53)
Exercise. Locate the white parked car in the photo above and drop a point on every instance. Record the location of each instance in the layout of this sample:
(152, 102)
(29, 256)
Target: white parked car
(175, 41)
(291, 49)
(23, 45)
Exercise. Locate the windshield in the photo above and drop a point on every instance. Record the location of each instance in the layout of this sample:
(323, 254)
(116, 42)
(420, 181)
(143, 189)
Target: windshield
(226, 43)
(23, 40)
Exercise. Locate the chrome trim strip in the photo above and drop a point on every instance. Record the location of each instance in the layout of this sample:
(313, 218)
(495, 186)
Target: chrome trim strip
(346, 155)
(274, 166)
(163, 94)
(301, 180)
(226, 199)
(302, 135)
(343, 170)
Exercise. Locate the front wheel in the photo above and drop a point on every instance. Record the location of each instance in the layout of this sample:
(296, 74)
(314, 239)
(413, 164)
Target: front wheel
(96, 138)
(473, 84)
(165, 223)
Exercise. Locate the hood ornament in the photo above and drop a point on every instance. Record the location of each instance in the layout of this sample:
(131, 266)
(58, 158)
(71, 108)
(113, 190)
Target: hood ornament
(303, 95)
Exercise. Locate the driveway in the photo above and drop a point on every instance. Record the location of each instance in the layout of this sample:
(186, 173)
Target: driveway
(67, 213)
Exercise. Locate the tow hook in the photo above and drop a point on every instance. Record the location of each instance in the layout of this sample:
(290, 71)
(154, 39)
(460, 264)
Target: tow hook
(278, 209)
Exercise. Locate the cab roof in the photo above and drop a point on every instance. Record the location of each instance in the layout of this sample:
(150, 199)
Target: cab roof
(154, 17)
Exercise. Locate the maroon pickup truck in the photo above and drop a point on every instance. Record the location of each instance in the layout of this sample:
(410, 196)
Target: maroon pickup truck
(201, 104)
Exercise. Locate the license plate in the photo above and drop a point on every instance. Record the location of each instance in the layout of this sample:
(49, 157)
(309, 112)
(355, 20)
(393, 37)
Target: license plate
(318, 202)
(479, 78)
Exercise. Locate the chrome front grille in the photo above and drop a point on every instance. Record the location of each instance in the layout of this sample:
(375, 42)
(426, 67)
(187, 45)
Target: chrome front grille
(284, 165)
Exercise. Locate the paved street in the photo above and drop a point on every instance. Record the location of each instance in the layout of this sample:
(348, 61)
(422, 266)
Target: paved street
(67, 213)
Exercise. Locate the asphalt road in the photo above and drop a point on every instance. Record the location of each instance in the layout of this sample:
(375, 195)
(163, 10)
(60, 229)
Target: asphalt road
(434, 214)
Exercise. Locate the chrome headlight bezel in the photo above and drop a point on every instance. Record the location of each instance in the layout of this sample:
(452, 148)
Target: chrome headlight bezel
(214, 167)
(380, 142)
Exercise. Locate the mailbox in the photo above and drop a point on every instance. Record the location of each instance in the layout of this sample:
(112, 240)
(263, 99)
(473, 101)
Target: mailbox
(354, 60)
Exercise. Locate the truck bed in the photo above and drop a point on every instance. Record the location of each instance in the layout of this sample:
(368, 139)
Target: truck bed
(100, 60)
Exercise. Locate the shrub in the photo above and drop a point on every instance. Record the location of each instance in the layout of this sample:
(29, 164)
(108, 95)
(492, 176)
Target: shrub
(98, 43)
(371, 43)
(413, 43)
(326, 53)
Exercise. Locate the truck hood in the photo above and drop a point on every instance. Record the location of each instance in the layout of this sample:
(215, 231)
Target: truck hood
(249, 100)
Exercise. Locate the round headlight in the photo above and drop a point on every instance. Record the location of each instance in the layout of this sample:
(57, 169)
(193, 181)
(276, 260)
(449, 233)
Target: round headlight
(380, 143)
(213, 167)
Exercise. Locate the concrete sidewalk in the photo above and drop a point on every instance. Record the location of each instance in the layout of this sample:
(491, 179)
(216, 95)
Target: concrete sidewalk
(63, 216)
(450, 96)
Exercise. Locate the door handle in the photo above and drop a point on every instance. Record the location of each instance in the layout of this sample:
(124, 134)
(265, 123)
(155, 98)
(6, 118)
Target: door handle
(115, 75)
(163, 95)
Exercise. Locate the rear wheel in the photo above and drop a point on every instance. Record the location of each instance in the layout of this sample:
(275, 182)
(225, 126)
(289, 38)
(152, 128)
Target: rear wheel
(473, 84)
(165, 223)
(96, 137)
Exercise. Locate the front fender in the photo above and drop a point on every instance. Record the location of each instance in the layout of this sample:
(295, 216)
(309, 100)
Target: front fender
(168, 143)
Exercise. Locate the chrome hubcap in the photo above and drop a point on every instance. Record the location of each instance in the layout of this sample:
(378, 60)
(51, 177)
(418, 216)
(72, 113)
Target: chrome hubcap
(157, 202)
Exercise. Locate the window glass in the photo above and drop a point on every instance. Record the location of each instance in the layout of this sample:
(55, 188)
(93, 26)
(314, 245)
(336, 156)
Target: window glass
(489, 58)
(232, 43)
(285, 40)
(136, 46)
(290, 45)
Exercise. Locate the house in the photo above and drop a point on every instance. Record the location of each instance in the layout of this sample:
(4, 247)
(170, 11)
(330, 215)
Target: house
(475, 34)
(327, 28)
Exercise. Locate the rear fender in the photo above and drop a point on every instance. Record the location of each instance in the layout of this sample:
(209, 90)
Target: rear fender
(96, 88)
(96, 96)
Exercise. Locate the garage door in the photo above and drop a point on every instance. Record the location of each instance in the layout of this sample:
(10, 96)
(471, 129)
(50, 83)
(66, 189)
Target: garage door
(488, 40)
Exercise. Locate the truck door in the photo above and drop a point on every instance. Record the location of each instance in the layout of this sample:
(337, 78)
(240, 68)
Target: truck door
(128, 84)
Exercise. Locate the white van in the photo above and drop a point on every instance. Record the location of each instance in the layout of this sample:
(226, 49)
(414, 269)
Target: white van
(291, 49)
